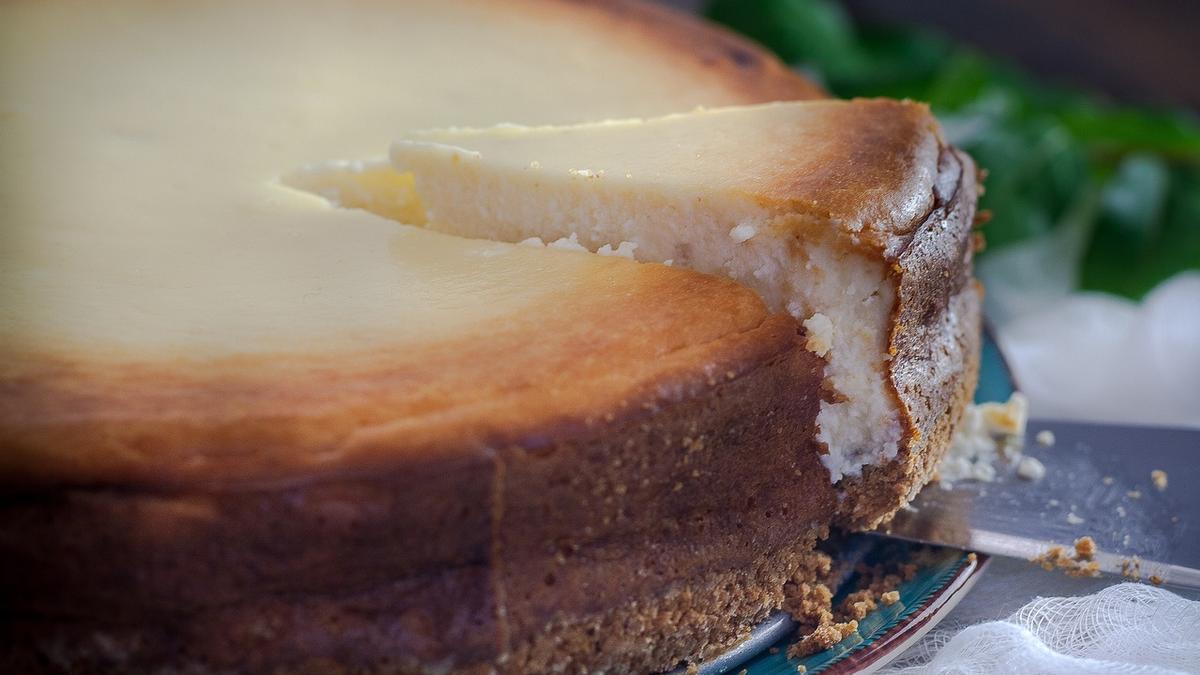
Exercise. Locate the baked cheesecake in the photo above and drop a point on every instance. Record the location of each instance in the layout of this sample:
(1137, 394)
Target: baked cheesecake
(853, 216)
(255, 418)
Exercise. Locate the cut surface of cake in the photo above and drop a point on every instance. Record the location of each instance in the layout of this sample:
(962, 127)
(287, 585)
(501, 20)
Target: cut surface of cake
(853, 216)
(243, 429)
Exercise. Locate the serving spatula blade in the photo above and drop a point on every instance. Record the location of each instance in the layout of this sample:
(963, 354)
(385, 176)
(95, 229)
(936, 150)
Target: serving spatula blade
(1097, 483)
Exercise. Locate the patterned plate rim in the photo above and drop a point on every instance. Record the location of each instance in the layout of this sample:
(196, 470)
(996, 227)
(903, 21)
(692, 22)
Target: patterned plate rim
(870, 656)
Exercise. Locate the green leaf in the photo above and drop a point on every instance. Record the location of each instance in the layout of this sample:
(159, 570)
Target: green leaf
(1124, 130)
(960, 81)
(1148, 227)
(899, 64)
(810, 32)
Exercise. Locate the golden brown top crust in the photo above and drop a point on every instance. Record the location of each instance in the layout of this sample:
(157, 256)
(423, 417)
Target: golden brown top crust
(632, 338)
(81, 414)
(869, 166)
(752, 73)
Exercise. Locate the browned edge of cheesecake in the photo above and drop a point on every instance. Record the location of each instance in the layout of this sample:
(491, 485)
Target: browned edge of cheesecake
(934, 344)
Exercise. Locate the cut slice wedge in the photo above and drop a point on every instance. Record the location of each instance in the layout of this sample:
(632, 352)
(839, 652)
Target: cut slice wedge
(854, 216)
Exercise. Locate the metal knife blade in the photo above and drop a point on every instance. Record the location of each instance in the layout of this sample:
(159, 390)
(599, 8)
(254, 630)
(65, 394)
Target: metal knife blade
(1097, 483)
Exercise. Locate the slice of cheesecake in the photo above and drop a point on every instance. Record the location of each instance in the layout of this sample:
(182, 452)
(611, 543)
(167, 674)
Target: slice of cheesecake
(853, 216)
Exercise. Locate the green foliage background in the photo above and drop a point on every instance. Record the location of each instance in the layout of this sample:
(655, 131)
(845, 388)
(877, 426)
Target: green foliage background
(1130, 177)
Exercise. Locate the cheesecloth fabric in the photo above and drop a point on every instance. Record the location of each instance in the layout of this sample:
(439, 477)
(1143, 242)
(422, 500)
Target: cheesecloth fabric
(1124, 628)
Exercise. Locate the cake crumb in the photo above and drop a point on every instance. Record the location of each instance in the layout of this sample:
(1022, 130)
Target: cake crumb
(890, 598)
(824, 637)
(820, 334)
(1085, 548)
(1007, 418)
(742, 232)
(810, 602)
(1121, 511)
(1030, 468)
(1156, 580)
(971, 557)
(1159, 478)
(1074, 519)
(1049, 558)
(1080, 564)
(801, 668)
(1131, 568)
(986, 434)
(1045, 437)
(743, 671)
(692, 669)
(858, 604)
(1133, 494)
(1107, 480)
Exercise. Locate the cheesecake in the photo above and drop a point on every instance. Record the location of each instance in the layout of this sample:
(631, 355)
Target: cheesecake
(853, 216)
(263, 408)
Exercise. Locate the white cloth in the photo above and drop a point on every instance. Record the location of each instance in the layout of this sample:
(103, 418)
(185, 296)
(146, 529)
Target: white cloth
(1093, 356)
(1083, 356)
(1124, 628)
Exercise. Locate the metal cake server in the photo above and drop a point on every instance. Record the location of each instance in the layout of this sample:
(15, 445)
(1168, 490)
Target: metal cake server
(1097, 483)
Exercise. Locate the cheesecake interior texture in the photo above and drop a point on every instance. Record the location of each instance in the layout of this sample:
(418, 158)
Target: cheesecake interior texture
(249, 422)
(813, 205)
(789, 199)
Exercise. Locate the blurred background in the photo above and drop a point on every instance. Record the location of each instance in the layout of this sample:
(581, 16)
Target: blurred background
(1083, 114)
